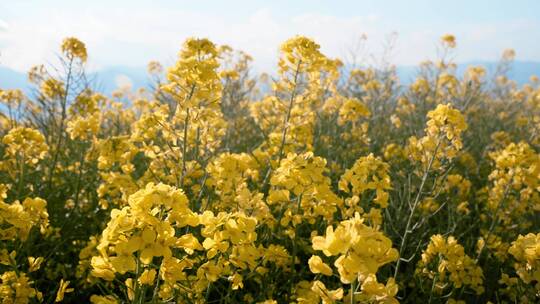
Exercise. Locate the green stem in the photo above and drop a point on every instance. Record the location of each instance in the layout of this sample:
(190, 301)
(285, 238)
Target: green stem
(289, 110)
(415, 204)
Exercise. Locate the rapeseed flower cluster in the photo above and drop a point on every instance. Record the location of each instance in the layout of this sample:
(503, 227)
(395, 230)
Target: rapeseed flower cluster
(444, 262)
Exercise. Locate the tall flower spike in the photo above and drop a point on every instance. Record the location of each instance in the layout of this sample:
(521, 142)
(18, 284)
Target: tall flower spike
(73, 48)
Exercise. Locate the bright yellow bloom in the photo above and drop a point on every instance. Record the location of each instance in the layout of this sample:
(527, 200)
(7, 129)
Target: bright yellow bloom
(375, 292)
(147, 277)
(95, 299)
(368, 173)
(361, 249)
(327, 296)
(449, 40)
(16, 288)
(352, 110)
(25, 143)
(53, 89)
(34, 263)
(74, 48)
(526, 251)
(62, 289)
(451, 265)
(316, 265)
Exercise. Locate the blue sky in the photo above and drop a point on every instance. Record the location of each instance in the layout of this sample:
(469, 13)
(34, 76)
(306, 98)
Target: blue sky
(121, 32)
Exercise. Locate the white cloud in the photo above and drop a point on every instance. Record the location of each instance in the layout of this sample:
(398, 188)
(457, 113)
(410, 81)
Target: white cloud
(3, 25)
(153, 33)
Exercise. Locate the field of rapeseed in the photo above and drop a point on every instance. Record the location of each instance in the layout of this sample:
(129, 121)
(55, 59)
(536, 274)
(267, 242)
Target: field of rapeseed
(322, 184)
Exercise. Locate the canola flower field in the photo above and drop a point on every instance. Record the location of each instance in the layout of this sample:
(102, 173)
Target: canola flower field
(332, 185)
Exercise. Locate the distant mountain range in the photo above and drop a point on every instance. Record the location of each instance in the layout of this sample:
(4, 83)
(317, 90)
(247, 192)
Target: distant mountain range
(520, 71)
(108, 79)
